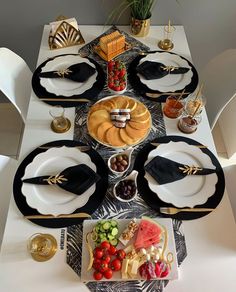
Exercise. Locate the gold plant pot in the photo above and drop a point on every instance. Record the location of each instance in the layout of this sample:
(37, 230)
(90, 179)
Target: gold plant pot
(140, 28)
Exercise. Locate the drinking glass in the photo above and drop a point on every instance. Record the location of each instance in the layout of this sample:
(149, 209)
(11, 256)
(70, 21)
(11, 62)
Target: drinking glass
(167, 42)
(42, 246)
(59, 124)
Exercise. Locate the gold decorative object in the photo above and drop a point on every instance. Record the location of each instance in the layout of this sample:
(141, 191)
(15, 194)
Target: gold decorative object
(140, 28)
(65, 35)
(42, 247)
(190, 169)
(54, 179)
(166, 44)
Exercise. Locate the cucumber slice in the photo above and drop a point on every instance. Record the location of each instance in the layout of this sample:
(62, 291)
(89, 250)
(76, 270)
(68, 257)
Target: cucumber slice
(114, 242)
(101, 229)
(113, 223)
(106, 225)
(110, 236)
(114, 231)
(97, 228)
(102, 222)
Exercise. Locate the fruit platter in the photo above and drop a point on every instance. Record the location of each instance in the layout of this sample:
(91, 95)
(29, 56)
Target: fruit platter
(128, 249)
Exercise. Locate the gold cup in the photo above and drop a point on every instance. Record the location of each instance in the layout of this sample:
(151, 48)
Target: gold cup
(166, 43)
(59, 124)
(42, 247)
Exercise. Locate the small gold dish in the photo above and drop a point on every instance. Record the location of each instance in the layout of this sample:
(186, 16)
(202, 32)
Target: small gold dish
(42, 247)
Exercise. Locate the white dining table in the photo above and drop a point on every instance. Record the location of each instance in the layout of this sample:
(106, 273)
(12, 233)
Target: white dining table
(210, 265)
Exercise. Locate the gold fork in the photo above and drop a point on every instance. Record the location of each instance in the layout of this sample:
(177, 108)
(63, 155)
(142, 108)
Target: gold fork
(172, 211)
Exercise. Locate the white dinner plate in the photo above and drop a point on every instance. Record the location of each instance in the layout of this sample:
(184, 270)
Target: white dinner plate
(54, 200)
(170, 82)
(193, 189)
(88, 226)
(64, 86)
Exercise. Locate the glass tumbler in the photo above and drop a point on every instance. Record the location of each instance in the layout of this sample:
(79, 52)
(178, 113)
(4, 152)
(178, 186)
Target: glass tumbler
(59, 124)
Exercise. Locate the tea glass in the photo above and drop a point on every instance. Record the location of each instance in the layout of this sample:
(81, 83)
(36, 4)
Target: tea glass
(188, 124)
(59, 124)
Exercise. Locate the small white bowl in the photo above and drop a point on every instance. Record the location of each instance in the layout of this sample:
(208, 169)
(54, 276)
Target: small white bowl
(127, 152)
(132, 176)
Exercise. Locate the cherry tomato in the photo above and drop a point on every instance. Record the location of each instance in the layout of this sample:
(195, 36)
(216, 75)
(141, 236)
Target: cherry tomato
(105, 245)
(106, 258)
(97, 275)
(111, 65)
(122, 86)
(98, 253)
(121, 254)
(116, 265)
(103, 267)
(108, 273)
(96, 263)
(122, 72)
(117, 88)
(112, 250)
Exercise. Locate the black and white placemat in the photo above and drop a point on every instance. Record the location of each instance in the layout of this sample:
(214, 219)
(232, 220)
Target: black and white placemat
(112, 208)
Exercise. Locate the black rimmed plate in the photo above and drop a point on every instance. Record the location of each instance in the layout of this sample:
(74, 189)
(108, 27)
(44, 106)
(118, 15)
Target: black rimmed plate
(66, 89)
(152, 198)
(93, 203)
(175, 86)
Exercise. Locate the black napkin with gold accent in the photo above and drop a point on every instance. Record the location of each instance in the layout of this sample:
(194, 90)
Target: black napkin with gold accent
(155, 70)
(164, 170)
(78, 72)
(75, 179)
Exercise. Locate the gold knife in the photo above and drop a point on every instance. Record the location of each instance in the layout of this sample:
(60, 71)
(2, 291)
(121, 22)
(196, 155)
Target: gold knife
(76, 215)
(173, 211)
(158, 144)
(66, 99)
(156, 95)
(82, 148)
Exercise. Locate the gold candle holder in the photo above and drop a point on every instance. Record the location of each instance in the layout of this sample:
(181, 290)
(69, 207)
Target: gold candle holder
(167, 44)
(42, 247)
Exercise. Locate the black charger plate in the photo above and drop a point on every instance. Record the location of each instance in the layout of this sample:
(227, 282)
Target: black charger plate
(93, 203)
(142, 89)
(91, 93)
(153, 200)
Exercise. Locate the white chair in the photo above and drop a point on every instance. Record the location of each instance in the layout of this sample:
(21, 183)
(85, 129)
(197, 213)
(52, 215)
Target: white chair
(219, 78)
(15, 80)
(230, 182)
(7, 171)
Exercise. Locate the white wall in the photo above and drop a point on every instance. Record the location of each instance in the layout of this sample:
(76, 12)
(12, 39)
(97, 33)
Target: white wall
(210, 24)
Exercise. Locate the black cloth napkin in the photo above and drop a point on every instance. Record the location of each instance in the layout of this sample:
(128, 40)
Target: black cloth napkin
(75, 179)
(155, 70)
(78, 72)
(164, 170)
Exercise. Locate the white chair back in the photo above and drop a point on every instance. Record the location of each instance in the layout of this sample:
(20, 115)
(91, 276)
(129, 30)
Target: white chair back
(219, 77)
(230, 182)
(15, 80)
(7, 170)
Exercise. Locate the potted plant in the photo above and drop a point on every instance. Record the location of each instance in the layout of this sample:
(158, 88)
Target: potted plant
(141, 11)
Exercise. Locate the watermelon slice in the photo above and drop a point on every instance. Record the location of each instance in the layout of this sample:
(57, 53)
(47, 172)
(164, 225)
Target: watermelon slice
(149, 232)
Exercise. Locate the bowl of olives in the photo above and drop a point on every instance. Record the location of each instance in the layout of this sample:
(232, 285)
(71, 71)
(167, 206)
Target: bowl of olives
(119, 163)
(126, 189)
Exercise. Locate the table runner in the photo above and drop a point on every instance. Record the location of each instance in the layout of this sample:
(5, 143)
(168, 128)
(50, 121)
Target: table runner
(112, 208)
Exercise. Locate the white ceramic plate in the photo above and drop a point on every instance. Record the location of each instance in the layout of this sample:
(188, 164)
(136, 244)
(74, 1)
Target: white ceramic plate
(53, 199)
(170, 82)
(193, 189)
(63, 86)
(122, 223)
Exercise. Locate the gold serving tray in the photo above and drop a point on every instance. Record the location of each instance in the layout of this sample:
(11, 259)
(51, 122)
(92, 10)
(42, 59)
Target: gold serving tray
(99, 51)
